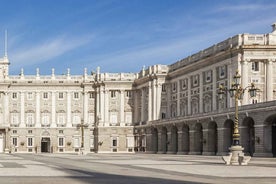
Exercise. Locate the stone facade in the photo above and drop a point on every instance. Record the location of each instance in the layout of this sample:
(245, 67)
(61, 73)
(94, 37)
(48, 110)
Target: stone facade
(162, 109)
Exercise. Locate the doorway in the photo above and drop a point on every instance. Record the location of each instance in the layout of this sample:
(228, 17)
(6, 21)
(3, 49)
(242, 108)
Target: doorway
(274, 138)
(45, 144)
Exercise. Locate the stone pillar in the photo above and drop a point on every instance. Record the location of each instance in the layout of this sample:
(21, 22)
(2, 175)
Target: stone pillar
(101, 103)
(106, 114)
(221, 142)
(178, 110)
(158, 101)
(244, 81)
(205, 142)
(142, 104)
(37, 109)
(69, 101)
(200, 92)
(122, 108)
(169, 141)
(150, 101)
(85, 107)
(214, 92)
(149, 142)
(154, 98)
(54, 124)
(180, 143)
(269, 80)
(160, 146)
(192, 145)
(22, 110)
(189, 96)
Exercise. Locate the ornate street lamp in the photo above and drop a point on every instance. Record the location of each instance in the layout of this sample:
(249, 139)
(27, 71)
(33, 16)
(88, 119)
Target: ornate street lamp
(236, 156)
(82, 126)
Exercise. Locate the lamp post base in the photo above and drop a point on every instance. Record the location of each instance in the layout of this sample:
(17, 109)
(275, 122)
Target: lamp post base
(236, 156)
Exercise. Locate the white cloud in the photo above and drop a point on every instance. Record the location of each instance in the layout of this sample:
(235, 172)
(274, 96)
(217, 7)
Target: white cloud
(245, 7)
(47, 50)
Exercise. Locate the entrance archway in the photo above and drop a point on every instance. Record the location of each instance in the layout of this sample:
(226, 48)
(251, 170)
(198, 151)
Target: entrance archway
(248, 136)
(212, 138)
(164, 140)
(270, 135)
(174, 139)
(227, 135)
(198, 139)
(45, 145)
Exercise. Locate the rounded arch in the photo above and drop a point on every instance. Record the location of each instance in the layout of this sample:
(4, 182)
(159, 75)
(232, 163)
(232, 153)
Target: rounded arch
(154, 139)
(198, 138)
(212, 140)
(248, 135)
(270, 134)
(227, 135)
(174, 139)
(164, 140)
(186, 138)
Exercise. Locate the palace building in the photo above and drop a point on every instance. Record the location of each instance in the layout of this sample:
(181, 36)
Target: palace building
(171, 109)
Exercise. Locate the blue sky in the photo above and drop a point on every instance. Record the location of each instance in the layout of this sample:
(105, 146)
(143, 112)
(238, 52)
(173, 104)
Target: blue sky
(121, 35)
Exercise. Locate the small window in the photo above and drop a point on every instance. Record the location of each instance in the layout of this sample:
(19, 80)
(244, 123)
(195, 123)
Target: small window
(222, 71)
(14, 95)
(163, 87)
(163, 115)
(14, 131)
(14, 141)
(29, 95)
(45, 95)
(113, 94)
(91, 95)
(174, 85)
(128, 94)
(30, 131)
(255, 66)
(60, 95)
(60, 131)
(114, 142)
(208, 76)
(76, 95)
(60, 141)
(30, 141)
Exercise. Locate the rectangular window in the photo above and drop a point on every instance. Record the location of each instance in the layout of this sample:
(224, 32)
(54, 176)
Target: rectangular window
(255, 66)
(30, 142)
(14, 141)
(208, 76)
(30, 131)
(14, 95)
(174, 86)
(30, 119)
(60, 141)
(114, 142)
(45, 95)
(163, 87)
(128, 94)
(113, 94)
(91, 95)
(60, 95)
(76, 95)
(14, 131)
(113, 119)
(222, 71)
(29, 95)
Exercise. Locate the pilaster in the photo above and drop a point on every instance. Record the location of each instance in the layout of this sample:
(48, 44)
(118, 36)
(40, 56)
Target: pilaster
(37, 109)
(122, 108)
(269, 80)
(22, 109)
(54, 124)
(69, 109)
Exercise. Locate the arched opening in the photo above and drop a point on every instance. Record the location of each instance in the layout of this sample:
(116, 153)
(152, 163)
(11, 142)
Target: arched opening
(198, 138)
(164, 140)
(248, 136)
(228, 134)
(212, 138)
(154, 140)
(174, 139)
(186, 139)
(45, 144)
(270, 134)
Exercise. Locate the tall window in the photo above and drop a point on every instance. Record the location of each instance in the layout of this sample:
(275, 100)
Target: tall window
(14, 95)
(30, 142)
(113, 94)
(29, 95)
(255, 66)
(60, 95)
(30, 119)
(45, 120)
(128, 94)
(222, 71)
(113, 118)
(163, 87)
(61, 119)
(61, 141)
(14, 141)
(14, 119)
(45, 95)
(76, 95)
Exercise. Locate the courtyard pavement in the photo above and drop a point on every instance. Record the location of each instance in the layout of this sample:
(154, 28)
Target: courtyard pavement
(131, 168)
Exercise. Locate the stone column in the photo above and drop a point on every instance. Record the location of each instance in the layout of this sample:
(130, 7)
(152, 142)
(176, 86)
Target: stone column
(158, 100)
(214, 92)
(221, 141)
(178, 98)
(180, 145)
(154, 99)
(169, 141)
(22, 109)
(244, 81)
(149, 142)
(85, 107)
(200, 92)
(106, 114)
(101, 103)
(192, 145)
(269, 80)
(142, 104)
(160, 146)
(122, 108)
(37, 109)
(150, 101)
(69, 101)
(54, 124)
(189, 96)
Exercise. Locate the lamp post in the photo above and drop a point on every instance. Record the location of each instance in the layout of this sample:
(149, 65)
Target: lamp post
(236, 155)
(82, 126)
